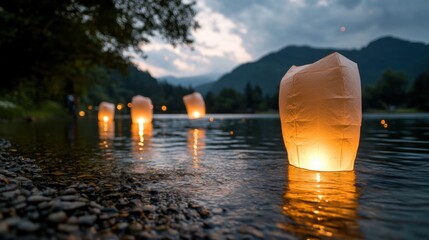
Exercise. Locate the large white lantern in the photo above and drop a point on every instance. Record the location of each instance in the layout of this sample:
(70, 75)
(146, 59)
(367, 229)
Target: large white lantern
(106, 112)
(195, 106)
(141, 109)
(321, 114)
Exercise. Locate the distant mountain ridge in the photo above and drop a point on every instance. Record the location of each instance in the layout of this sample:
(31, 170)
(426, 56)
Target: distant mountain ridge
(191, 81)
(412, 58)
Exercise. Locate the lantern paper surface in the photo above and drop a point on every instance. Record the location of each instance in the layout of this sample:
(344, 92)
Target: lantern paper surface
(321, 114)
(106, 112)
(141, 110)
(195, 106)
(321, 204)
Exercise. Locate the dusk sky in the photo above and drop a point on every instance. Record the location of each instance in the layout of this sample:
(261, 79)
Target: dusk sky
(234, 32)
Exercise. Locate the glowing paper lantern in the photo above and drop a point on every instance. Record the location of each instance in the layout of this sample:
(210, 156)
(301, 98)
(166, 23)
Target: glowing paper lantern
(321, 204)
(141, 110)
(195, 106)
(106, 112)
(321, 114)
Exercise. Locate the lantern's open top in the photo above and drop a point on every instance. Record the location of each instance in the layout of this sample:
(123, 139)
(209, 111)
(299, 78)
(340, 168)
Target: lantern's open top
(321, 114)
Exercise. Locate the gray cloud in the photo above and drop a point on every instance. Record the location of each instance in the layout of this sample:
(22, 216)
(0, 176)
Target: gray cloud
(268, 25)
(272, 24)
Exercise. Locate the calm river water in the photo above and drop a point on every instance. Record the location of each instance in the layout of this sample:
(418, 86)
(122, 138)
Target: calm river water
(239, 163)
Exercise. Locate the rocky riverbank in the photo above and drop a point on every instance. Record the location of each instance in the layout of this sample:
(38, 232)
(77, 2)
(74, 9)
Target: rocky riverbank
(121, 209)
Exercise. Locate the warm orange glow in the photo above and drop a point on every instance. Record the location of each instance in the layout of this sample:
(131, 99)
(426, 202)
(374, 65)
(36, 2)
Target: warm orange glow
(82, 113)
(231, 132)
(385, 125)
(195, 105)
(130, 105)
(106, 132)
(119, 107)
(196, 114)
(90, 107)
(164, 108)
(106, 112)
(321, 204)
(211, 119)
(141, 133)
(196, 144)
(383, 122)
(321, 114)
(142, 109)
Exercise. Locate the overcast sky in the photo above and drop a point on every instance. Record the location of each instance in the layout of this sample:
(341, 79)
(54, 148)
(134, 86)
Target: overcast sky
(237, 31)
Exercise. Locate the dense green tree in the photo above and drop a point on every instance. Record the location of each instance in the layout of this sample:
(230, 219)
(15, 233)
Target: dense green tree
(229, 101)
(50, 48)
(419, 93)
(389, 91)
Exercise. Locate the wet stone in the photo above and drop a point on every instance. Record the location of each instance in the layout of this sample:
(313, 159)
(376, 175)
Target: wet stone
(20, 206)
(95, 205)
(69, 191)
(27, 226)
(73, 220)
(13, 221)
(121, 226)
(43, 205)
(87, 219)
(149, 208)
(57, 217)
(69, 228)
(217, 211)
(69, 198)
(49, 192)
(37, 198)
(135, 227)
(70, 205)
(8, 188)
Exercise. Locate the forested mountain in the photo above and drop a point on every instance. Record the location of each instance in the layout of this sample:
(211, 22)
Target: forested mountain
(411, 58)
(191, 81)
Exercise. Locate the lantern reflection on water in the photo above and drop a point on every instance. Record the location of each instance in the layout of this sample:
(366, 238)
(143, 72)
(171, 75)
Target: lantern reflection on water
(141, 110)
(321, 204)
(196, 144)
(141, 134)
(106, 134)
(321, 114)
(106, 112)
(195, 106)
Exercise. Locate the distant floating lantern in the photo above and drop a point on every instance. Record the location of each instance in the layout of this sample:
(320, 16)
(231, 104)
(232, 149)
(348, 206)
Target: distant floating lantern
(106, 112)
(82, 113)
(142, 109)
(195, 105)
(321, 114)
(164, 108)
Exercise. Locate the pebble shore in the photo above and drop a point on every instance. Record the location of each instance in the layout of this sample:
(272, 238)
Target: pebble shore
(37, 205)
(122, 209)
